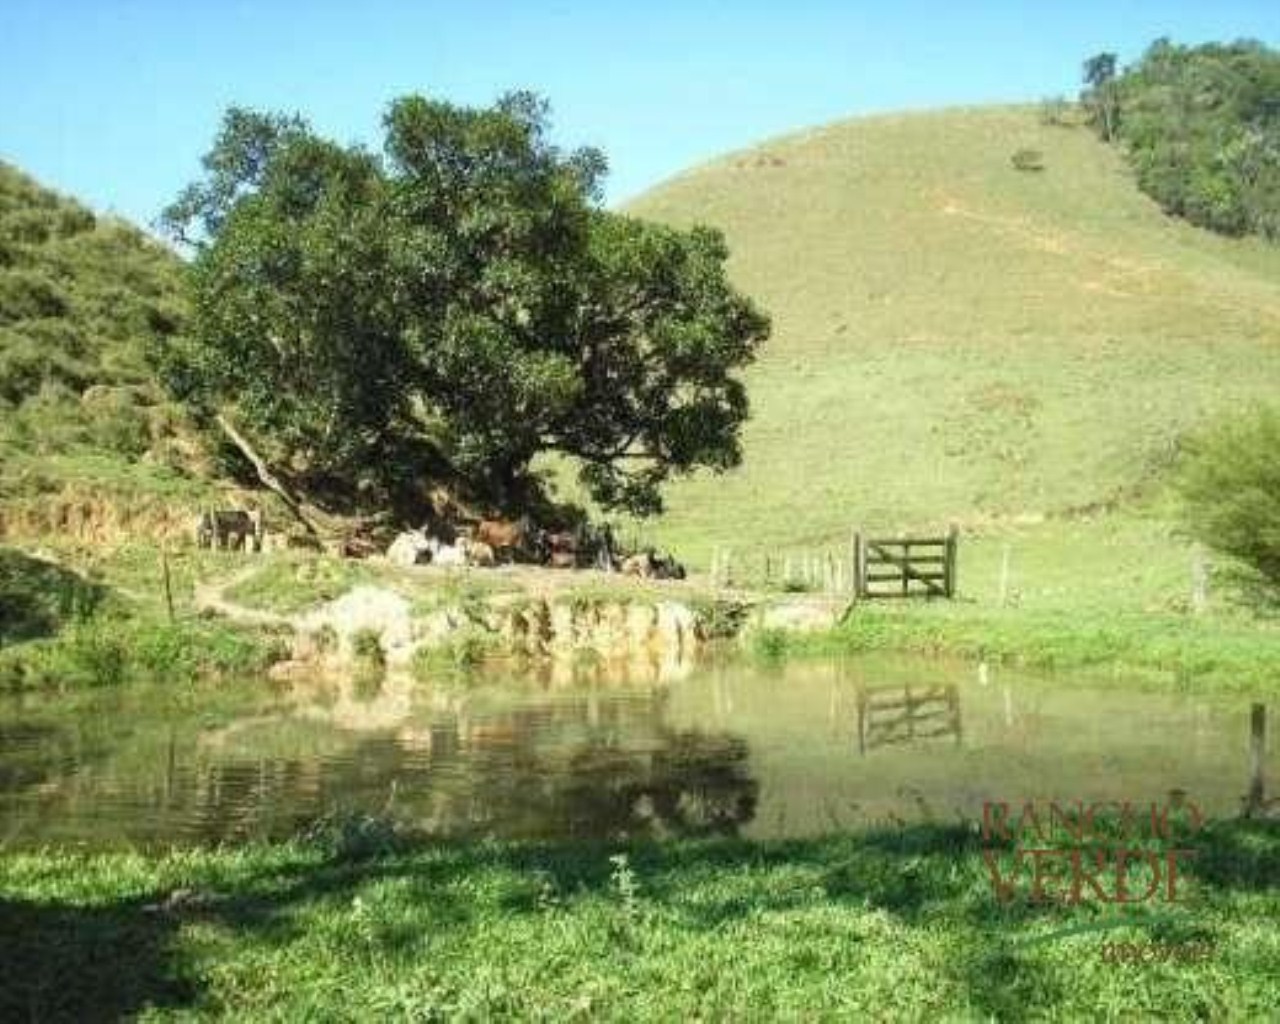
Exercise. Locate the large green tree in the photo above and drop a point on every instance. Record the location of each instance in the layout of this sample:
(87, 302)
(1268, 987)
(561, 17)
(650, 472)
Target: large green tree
(459, 302)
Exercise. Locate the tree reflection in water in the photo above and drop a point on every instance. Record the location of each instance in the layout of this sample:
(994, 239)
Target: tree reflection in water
(598, 763)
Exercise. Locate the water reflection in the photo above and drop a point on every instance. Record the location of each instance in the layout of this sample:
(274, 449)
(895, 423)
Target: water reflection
(530, 763)
(1256, 803)
(906, 714)
(766, 752)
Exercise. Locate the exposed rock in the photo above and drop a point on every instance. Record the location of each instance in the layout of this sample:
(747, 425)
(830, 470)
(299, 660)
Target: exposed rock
(677, 627)
(375, 609)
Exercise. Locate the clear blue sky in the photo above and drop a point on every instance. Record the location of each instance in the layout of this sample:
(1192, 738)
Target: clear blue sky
(115, 100)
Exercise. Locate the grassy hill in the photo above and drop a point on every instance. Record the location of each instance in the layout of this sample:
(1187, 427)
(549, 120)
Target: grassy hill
(955, 339)
(85, 302)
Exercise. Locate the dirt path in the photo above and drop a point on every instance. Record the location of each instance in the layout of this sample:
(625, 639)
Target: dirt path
(210, 596)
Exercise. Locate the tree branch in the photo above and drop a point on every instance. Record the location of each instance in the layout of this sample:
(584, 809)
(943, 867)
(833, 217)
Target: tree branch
(269, 479)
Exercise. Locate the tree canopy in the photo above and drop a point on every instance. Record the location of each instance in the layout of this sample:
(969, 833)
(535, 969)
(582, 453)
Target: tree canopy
(1201, 128)
(458, 302)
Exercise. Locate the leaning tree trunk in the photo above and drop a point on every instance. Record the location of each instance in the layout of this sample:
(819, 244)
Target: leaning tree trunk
(269, 479)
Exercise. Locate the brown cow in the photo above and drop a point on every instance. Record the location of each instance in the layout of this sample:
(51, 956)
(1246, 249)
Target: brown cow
(506, 537)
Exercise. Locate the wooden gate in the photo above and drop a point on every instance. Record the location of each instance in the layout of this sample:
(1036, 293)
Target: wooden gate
(905, 566)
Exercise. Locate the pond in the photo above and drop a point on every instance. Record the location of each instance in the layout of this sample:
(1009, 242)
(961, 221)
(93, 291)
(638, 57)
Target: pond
(757, 750)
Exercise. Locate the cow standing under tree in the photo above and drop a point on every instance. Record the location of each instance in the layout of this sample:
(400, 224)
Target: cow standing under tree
(230, 530)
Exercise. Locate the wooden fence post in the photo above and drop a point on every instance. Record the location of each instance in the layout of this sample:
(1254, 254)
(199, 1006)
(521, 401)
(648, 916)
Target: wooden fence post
(1004, 573)
(168, 585)
(1199, 579)
(1257, 758)
(949, 566)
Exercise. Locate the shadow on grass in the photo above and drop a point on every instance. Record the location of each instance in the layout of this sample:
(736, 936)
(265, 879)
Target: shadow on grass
(113, 959)
(37, 597)
(75, 963)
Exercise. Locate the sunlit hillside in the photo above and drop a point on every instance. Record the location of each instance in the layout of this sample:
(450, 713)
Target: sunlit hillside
(956, 339)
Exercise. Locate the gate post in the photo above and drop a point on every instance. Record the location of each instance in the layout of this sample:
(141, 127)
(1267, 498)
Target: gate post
(953, 536)
(860, 565)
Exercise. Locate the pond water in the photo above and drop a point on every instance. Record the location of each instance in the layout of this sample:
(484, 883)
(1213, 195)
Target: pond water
(758, 750)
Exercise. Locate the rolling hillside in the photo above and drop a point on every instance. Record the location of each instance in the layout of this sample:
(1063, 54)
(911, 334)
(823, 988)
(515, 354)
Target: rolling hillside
(955, 339)
(86, 304)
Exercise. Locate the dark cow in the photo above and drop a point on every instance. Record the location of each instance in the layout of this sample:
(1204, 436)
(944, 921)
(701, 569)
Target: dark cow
(229, 530)
(561, 549)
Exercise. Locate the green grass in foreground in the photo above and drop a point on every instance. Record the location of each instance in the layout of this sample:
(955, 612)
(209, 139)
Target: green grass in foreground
(900, 924)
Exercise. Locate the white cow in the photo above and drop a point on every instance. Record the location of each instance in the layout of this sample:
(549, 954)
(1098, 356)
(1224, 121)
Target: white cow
(448, 554)
(409, 548)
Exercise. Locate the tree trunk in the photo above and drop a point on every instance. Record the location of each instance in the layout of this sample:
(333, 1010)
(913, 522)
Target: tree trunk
(269, 479)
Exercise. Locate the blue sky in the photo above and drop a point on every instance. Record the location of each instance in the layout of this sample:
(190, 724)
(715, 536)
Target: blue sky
(115, 100)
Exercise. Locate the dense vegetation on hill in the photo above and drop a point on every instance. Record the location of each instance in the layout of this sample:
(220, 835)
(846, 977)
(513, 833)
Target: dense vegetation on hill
(1201, 127)
(85, 301)
(957, 339)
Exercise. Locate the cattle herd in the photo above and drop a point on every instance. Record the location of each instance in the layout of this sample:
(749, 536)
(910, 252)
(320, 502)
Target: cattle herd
(489, 542)
(481, 543)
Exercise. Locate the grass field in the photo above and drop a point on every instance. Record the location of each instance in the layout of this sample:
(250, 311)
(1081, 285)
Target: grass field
(958, 340)
(900, 924)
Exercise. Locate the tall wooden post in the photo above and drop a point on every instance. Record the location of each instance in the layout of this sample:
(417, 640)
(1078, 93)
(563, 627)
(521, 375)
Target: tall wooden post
(168, 585)
(1199, 579)
(949, 569)
(859, 566)
(1257, 758)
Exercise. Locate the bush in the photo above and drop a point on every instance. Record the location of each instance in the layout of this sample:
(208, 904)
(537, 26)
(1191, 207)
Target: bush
(1230, 486)
(366, 645)
(111, 649)
(369, 663)
(1028, 160)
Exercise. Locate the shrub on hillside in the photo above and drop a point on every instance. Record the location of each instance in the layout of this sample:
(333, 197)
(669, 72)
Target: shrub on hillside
(1230, 485)
(1028, 160)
